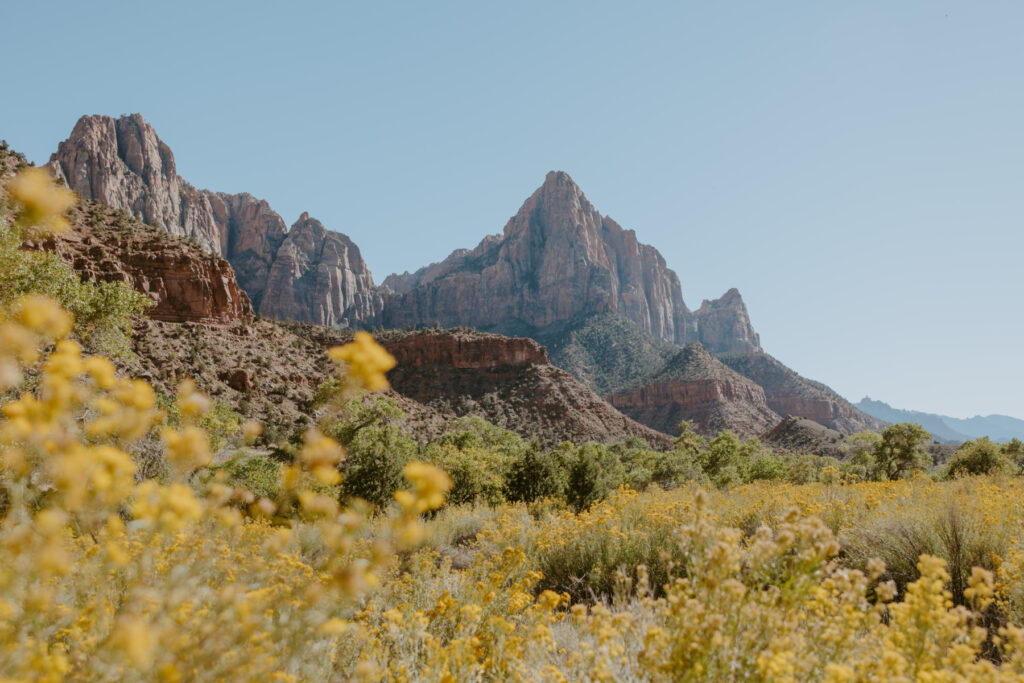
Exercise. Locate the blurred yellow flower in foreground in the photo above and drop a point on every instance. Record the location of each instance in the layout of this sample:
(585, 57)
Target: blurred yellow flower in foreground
(43, 202)
(367, 361)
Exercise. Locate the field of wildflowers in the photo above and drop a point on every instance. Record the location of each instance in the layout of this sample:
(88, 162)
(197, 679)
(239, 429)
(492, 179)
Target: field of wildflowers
(105, 575)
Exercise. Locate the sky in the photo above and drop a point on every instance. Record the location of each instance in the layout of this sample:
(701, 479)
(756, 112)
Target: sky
(855, 169)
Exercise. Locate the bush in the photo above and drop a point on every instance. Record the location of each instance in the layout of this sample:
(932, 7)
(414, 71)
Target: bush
(978, 457)
(534, 475)
(257, 473)
(478, 474)
(592, 473)
(372, 470)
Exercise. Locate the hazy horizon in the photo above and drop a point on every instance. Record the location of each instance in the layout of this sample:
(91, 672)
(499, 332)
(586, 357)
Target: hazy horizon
(854, 171)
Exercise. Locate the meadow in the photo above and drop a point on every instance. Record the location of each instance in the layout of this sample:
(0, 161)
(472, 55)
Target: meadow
(190, 575)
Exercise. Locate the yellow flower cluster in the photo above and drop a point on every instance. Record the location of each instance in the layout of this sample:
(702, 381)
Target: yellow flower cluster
(42, 203)
(366, 361)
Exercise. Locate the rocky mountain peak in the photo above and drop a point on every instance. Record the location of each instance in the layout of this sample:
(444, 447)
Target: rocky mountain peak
(124, 164)
(724, 325)
(558, 258)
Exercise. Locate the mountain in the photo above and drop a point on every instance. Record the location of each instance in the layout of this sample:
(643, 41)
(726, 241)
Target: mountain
(949, 429)
(788, 393)
(696, 386)
(306, 273)
(558, 258)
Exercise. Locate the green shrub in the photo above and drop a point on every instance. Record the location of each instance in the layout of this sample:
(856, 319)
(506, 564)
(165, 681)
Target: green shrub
(478, 474)
(592, 472)
(978, 457)
(255, 472)
(534, 475)
(372, 470)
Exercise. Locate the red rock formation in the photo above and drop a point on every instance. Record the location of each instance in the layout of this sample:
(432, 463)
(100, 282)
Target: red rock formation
(506, 380)
(558, 258)
(694, 386)
(185, 283)
(122, 163)
(466, 351)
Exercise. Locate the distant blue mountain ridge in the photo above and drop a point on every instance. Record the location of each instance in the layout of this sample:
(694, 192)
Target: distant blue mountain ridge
(949, 429)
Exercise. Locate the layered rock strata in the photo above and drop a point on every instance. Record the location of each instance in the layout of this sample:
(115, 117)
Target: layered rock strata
(185, 283)
(788, 393)
(696, 387)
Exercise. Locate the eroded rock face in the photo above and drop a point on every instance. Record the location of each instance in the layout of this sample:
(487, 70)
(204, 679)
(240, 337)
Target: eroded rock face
(185, 283)
(509, 382)
(319, 277)
(696, 387)
(723, 325)
(124, 164)
(558, 258)
(465, 351)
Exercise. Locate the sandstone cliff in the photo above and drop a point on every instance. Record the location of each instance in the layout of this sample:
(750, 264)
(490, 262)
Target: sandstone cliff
(124, 164)
(319, 276)
(557, 259)
(186, 283)
(695, 386)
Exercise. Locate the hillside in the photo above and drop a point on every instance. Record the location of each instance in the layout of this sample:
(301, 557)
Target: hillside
(788, 393)
(696, 387)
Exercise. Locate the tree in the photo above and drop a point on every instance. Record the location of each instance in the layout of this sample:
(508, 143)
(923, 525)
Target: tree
(901, 450)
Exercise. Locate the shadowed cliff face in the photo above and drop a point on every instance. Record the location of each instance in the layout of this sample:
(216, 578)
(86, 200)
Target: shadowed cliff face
(558, 258)
(122, 163)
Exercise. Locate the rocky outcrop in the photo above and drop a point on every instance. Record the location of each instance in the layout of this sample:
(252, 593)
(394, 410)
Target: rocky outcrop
(557, 259)
(506, 380)
(319, 276)
(723, 325)
(694, 386)
(186, 283)
(788, 393)
(124, 164)
(803, 435)
(465, 351)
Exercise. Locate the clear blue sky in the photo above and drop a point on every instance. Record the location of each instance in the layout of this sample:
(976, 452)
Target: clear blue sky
(856, 169)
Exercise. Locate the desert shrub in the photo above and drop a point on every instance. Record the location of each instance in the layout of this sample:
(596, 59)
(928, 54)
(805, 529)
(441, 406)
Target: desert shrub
(372, 468)
(473, 431)
(534, 475)
(592, 472)
(769, 467)
(478, 474)
(726, 457)
(673, 468)
(256, 473)
(981, 456)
